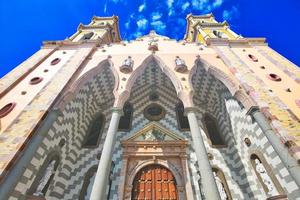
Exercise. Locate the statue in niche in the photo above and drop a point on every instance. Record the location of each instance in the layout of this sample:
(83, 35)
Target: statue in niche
(128, 61)
(259, 167)
(49, 172)
(220, 186)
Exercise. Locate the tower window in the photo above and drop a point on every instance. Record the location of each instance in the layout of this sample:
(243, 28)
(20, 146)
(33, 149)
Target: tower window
(87, 36)
(218, 34)
(183, 123)
(213, 131)
(125, 120)
(94, 131)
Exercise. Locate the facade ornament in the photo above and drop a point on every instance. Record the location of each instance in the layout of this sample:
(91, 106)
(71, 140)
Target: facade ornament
(127, 65)
(260, 169)
(49, 172)
(180, 65)
(220, 186)
(153, 45)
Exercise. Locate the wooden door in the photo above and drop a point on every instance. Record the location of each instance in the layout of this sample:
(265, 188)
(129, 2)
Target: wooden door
(154, 182)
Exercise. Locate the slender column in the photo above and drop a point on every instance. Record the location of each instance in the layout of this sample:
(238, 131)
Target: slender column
(207, 178)
(103, 171)
(289, 162)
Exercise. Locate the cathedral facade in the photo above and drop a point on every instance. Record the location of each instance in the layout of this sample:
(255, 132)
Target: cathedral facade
(213, 116)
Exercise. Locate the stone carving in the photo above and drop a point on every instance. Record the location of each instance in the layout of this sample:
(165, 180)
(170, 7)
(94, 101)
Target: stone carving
(45, 179)
(154, 135)
(127, 65)
(220, 186)
(259, 167)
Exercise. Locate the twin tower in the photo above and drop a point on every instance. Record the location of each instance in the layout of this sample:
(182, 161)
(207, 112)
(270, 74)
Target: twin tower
(213, 116)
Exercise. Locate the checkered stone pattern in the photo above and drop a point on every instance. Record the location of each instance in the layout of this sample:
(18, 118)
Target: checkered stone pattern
(152, 79)
(213, 97)
(95, 96)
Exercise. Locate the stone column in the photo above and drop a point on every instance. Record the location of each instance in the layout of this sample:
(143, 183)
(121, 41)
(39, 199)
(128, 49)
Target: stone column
(289, 162)
(207, 178)
(103, 171)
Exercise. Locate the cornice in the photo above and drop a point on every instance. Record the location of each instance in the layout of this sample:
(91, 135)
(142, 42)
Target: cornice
(236, 42)
(99, 26)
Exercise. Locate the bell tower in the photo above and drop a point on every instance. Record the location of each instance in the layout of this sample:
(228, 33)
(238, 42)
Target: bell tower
(104, 29)
(202, 27)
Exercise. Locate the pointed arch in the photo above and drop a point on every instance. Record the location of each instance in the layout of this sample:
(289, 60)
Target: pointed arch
(215, 72)
(107, 63)
(77, 84)
(235, 90)
(165, 69)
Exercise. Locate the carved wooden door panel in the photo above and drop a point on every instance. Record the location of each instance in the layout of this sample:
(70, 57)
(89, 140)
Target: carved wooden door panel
(154, 182)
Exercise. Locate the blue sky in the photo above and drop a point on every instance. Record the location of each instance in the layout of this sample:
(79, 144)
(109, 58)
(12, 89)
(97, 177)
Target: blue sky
(25, 24)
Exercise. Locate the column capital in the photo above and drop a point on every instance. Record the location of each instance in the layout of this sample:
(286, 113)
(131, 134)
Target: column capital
(190, 109)
(117, 110)
(252, 110)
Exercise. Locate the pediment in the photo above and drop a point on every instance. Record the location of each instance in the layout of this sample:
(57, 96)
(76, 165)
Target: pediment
(154, 132)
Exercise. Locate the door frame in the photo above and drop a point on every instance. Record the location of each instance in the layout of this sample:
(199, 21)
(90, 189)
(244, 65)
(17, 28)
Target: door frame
(169, 154)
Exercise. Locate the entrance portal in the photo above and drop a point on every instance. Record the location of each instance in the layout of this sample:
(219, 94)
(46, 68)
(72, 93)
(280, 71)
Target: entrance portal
(154, 182)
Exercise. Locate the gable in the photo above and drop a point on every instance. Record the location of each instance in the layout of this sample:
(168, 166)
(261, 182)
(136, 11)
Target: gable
(154, 132)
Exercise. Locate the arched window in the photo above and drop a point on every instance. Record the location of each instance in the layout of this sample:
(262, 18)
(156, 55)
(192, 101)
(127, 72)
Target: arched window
(212, 130)
(88, 184)
(182, 120)
(221, 184)
(125, 120)
(87, 36)
(265, 176)
(94, 131)
(218, 34)
(44, 177)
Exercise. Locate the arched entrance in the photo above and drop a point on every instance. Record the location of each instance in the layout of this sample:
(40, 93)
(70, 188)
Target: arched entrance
(154, 182)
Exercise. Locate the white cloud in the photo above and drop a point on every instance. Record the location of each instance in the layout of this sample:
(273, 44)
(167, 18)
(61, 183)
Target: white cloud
(217, 3)
(142, 7)
(137, 34)
(127, 24)
(142, 24)
(116, 1)
(230, 14)
(170, 3)
(199, 4)
(185, 6)
(171, 12)
(159, 26)
(156, 16)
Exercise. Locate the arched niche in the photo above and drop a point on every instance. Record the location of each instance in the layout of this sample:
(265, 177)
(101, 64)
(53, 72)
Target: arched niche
(44, 177)
(126, 119)
(104, 67)
(182, 120)
(266, 177)
(87, 185)
(212, 130)
(94, 131)
(222, 184)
